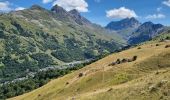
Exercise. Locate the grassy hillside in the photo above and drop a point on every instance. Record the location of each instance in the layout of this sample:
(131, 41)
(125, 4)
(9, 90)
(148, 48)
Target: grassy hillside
(147, 78)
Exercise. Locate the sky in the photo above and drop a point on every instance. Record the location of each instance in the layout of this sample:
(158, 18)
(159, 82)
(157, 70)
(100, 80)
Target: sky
(102, 11)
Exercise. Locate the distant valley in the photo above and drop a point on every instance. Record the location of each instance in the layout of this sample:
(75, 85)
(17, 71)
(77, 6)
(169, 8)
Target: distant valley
(36, 38)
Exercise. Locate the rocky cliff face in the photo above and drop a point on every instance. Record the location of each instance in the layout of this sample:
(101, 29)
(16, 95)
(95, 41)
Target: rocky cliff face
(122, 24)
(124, 27)
(145, 32)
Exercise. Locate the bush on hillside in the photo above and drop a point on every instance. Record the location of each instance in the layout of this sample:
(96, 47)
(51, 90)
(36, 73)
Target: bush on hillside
(139, 48)
(112, 64)
(110, 89)
(168, 38)
(67, 83)
(118, 61)
(81, 74)
(124, 60)
(44, 60)
(157, 44)
(167, 46)
(134, 58)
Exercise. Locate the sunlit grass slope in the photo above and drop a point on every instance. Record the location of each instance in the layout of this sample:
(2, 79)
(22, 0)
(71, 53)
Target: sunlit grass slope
(147, 78)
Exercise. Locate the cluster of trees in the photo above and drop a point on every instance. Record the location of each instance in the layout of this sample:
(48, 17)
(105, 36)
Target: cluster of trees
(40, 79)
(168, 38)
(72, 50)
(20, 87)
(44, 60)
(105, 45)
(13, 67)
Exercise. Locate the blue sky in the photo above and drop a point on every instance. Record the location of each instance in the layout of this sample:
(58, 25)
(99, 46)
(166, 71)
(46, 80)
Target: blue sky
(103, 11)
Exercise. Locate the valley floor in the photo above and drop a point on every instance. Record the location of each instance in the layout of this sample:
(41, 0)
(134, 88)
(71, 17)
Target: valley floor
(147, 78)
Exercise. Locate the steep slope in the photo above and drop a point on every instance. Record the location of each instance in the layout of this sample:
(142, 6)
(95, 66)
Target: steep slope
(145, 78)
(37, 38)
(124, 27)
(145, 32)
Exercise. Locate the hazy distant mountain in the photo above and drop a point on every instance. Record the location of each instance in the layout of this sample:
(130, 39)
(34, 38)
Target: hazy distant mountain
(124, 27)
(123, 24)
(133, 31)
(145, 32)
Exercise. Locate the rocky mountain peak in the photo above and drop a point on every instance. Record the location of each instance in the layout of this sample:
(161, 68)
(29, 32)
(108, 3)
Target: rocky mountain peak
(133, 19)
(145, 32)
(36, 7)
(124, 23)
(78, 18)
(149, 26)
(147, 23)
(59, 10)
(74, 12)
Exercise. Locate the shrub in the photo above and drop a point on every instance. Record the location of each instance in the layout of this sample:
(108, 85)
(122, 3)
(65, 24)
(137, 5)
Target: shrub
(157, 44)
(124, 60)
(167, 46)
(112, 64)
(67, 83)
(134, 58)
(118, 61)
(139, 48)
(80, 74)
(168, 38)
(110, 89)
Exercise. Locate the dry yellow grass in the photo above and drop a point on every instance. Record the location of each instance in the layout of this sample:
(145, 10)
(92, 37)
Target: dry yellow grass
(147, 78)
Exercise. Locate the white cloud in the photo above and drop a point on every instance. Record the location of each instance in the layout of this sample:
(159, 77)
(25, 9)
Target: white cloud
(46, 1)
(5, 6)
(19, 8)
(155, 16)
(122, 12)
(80, 5)
(167, 3)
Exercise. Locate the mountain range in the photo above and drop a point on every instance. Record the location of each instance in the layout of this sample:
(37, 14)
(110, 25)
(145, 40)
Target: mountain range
(146, 32)
(36, 38)
(134, 31)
